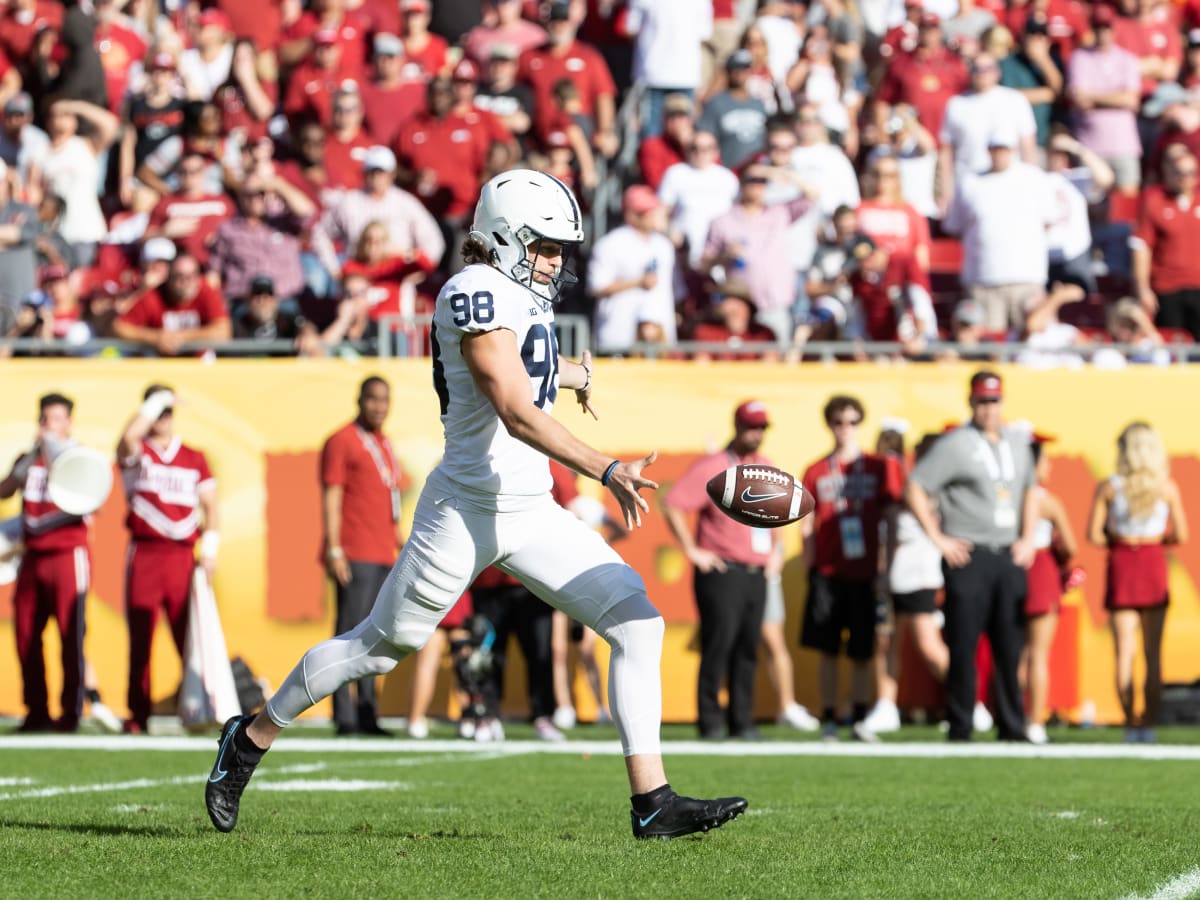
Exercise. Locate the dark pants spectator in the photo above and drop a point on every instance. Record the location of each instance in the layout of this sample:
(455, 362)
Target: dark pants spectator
(1180, 309)
(987, 595)
(731, 606)
(512, 609)
(1073, 271)
(354, 602)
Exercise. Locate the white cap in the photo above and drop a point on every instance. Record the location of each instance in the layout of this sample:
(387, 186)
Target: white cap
(894, 423)
(379, 157)
(158, 249)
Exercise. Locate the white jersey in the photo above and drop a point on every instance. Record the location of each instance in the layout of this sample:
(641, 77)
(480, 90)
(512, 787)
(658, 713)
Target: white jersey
(481, 456)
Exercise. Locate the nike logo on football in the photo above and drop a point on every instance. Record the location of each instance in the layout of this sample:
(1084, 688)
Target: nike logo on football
(650, 818)
(218, 772)
(748, 497)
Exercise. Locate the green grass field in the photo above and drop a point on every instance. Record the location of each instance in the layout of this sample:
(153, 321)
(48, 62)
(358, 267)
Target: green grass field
(394, 818)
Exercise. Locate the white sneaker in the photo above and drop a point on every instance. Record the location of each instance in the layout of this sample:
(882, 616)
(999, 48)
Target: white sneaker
(883, 718)
(418, 729)
(106, 718)
(564, 718)
(860, 732)
(545, 730)
(796, 716)
(489, 730)
(466, 729)
(1036, 734)
(981, 719)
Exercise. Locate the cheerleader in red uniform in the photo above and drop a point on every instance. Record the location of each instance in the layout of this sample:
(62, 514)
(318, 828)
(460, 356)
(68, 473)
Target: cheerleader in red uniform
(1135, 514)
(1055, 545)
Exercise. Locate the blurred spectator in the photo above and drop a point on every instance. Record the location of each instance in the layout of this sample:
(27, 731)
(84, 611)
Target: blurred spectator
(18, 231)
(973, 116)
(69, 68)
(1147, 30)
(23, 146)
(487, 127)
(658, 153)
(259, 241)
(1033, 72)
(828, 278)
(750, 242)
(892, 301)
(183, 309)
(915, 152)
(729, 319)
(260, 317)
(152, 115)
(967, 332)
(889, 220)
(731, 563)
(1178, 114)
(1066, 22)
(503, 26)
(668, 36)
(502, 95)
(631, 277)
(1135, 514)
(202, 134)
(902, 37)
(782, 25)
(565, 57)
(965, 29)
(49, 243)
(306, 170)
(924, 79)
(346, 141)
(854, 492)
(23, 21)
(1129, 325)
(568, 137)
(726, 30)
(392, 96)
(1002, 216)
(1166, 266)
(760, 83)
(816, 78)
(348, 29)
(246, 100)
(54, 313)
(411, 228)
(1104, 87)
(262, 25)
(822, 164)
(1069, 237)
(737, 119)
(72, 171)
(207, 64)
(421, 46)
(390, 279)
(1189, 76)
(314, 84)
(191, 215)
(1050, 342)
(695, 192)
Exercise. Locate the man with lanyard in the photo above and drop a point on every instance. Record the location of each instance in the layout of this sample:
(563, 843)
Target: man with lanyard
(982, 476)
(361, 482)
(732, 563)
(853, 491)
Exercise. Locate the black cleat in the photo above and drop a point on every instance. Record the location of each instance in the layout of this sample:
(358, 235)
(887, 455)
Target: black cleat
(683, 815)
(230, 774)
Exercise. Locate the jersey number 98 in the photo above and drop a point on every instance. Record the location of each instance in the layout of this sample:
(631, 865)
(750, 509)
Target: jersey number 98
(479, 306)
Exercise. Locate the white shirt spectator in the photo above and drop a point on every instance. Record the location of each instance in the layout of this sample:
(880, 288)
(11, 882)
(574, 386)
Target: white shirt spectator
(783, 44)
(695, 196)
(831, 172)
(669, 37)
(203, 78)
(73, 173)
(1070, 235)
(943, 9)
(29, 150)
(1002, 218)
(971, 118)
(625, 254)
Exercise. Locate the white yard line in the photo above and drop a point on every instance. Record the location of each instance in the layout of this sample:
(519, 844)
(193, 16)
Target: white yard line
(1181, 887)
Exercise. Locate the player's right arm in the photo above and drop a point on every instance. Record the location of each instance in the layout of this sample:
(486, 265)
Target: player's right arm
(494, 360)
(129, 448)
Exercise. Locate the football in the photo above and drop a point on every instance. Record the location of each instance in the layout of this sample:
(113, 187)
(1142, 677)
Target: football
(762, 496)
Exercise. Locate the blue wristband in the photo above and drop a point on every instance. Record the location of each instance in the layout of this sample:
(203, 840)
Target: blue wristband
(608, 472)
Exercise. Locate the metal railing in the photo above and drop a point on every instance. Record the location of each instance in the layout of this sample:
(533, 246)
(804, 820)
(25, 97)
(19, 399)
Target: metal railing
(406, 336)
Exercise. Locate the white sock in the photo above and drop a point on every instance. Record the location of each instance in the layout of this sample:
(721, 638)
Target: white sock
(634, 631)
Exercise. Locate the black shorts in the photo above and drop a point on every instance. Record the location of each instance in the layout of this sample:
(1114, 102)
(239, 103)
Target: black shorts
(835, 605)
(916, 602)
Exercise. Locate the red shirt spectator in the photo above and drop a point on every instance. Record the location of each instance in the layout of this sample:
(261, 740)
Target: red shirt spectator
(163, 487)
(926, 79)
(246, 101)
(734, 325)
(344, 29)
(392, 97)
(153, 311)
(46, 527)
(346, 142)
(308, 172)
(21, 22)
(391, 277)
(1066, 22)
(314, 84)
(862, 489)
(119, 47)
(881, 286)
(1150, 36)
(896, 227)
(260, 22)
(581, 63)
(1169, 227)
(190, 217)
(363, 464)
(421, 46)
(902, 38)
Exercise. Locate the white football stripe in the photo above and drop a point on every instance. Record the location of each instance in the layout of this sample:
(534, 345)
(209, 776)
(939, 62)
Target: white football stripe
(730, 487)
(797, 497)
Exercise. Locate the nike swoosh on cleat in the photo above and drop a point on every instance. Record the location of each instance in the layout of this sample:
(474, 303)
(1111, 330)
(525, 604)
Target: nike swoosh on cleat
(218, 772)
(650, 818)
(748, 497)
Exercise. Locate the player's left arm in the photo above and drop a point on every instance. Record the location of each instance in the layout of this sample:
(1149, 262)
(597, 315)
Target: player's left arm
(578, 376)
(210, 537)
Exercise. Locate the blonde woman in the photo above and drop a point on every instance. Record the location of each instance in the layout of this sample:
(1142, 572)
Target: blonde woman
(1135, 514)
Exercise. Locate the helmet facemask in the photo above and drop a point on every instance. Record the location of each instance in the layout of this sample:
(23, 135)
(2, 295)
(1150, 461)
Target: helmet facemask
(525, 272)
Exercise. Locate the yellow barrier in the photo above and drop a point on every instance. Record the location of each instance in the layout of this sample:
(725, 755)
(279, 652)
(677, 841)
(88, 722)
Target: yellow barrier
(262, 423)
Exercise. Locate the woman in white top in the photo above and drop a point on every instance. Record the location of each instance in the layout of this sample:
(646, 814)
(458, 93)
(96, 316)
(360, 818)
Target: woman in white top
(72, 171)
(1135, 514)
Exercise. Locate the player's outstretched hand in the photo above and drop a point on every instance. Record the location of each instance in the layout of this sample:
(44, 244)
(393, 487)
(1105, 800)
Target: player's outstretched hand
(625, 482)
(584, 394)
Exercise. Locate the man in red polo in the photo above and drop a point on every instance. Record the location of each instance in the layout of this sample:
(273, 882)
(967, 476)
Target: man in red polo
(361, 483)
(732, 564)
(315, 82)
(393, 95)
(191, 216)
(926, 78)
(1166, 266)
(337, 24)
(184, 308)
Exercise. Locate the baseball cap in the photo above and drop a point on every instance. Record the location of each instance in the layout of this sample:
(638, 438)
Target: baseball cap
(53, 272)
(751, 414)
(262, 284)
(1036, 25)
(968, 312)
(1168, 93)
(501, 50)
(739, 59)
(1193, 38)
(559, 11)
(161, 61)
(1002, 137)
(858, 248)
(380, 158)
(465, 71)
(325, 37)
(214, 17)
(20, 104)
(986, 385)
(735, 287)
(1103, 17)
(388, 45)
(159, 249)
(640, 198)
(677, 104)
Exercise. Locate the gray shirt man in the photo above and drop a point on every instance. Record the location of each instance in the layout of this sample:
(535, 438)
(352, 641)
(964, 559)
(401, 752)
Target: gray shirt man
(980, 487)
(17, 258)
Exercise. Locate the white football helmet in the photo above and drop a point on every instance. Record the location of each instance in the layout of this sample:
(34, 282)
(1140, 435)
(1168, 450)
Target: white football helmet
(516, 210)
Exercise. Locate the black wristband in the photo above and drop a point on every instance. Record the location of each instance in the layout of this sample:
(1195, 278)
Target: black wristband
(608, 472)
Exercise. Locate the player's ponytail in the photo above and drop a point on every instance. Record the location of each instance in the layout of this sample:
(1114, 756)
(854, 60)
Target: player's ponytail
(473, 251)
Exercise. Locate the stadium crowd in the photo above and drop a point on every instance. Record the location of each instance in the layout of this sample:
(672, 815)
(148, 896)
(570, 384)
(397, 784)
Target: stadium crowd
(939, 174)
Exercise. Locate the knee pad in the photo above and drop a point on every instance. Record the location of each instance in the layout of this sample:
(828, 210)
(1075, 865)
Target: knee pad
(633, 620)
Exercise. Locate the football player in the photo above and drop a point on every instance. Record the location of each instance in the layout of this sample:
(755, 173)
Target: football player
(497, 373)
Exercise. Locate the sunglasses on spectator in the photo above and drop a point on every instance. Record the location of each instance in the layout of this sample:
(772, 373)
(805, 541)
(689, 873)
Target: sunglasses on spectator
(185, 276)
(777, 148)
(982, 69)
(808, 119)
(1189, 172)
(345, 109)
(192, 170)
(885, 173)
(252, 193)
